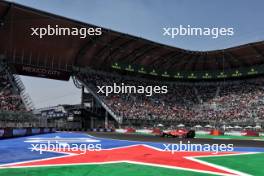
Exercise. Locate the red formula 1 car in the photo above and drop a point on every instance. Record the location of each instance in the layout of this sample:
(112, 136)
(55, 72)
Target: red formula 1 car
(180, 133)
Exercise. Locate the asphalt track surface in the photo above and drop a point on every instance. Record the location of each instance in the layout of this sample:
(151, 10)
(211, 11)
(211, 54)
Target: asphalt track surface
(152, 138)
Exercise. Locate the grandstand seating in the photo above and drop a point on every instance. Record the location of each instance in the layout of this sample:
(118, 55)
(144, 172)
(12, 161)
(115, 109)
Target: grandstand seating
(193, 102)
(10, 100)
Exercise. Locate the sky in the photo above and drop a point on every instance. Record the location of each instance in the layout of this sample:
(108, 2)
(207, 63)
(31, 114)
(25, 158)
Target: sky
(146, 19)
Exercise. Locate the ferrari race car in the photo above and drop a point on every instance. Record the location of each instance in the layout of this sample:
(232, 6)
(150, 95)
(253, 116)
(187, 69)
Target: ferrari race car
(180, 133)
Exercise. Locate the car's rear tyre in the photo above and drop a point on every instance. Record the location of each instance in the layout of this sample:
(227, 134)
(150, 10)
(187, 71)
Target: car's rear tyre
(191, 134)
(164, 135)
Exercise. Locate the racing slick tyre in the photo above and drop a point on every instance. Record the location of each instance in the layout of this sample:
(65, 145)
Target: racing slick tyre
(191, 134)
(165, 135)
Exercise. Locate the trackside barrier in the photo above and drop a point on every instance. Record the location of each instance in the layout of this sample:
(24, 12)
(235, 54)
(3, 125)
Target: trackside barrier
(18, 132)
(242, 133)
(144, 131)
(28, 131)
(102, 130)
(2, 131)
(233, 133)
(35, 131)
(250, 133)
(216, 132)
(8, 132)
(121, 130)
(46, 130)
(202, 132)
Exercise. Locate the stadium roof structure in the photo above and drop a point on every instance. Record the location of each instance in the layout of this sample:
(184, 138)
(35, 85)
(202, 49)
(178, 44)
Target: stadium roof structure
(111, 50)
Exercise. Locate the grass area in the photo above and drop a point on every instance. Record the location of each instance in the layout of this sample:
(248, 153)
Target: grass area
(99, 170)
(229, 137)
(251, 164)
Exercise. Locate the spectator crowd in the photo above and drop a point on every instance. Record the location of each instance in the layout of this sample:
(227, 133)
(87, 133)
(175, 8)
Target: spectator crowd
(238, 100)
(9, 99)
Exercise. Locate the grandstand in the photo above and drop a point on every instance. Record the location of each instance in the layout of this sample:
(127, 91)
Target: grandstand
(15, 105)
(234, 102)
(211, 87)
